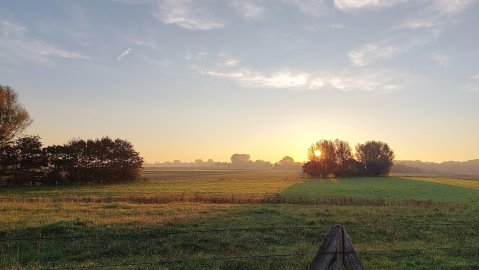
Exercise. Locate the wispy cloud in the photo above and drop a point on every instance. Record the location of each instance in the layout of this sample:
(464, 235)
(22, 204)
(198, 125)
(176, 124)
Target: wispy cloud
(358, 80)
(147, 44)
(186, 14)
(248, 9)
(341, 26)
(441, 59)
(226, 60)
(124, 53)
(355, 5)
(437, 14)
(15, 42)
(163, 63)
(11, 29)
(369, 53)
(195, 56)
(474, 86)
(387, 49)
(428, 23)
(249, 78)
(312, 7)
(451, 7)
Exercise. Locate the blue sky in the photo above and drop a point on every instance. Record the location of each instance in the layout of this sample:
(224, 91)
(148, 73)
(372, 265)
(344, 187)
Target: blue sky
(186, 79)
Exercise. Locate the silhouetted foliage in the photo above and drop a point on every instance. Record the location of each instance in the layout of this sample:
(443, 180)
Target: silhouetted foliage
(13, 117)
(79, 161)
(240, 160)
(287, 163)
(23, 161)
(335, 159)
(97, 161)
(376, 156)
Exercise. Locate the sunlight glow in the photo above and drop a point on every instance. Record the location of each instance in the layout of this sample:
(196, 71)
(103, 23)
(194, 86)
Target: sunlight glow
(317, 153)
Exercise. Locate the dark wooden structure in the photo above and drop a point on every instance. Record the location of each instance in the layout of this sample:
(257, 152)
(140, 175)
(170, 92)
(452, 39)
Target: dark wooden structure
(336, 252)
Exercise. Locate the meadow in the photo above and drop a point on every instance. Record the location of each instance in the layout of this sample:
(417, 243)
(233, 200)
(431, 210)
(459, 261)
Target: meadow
(205, 219)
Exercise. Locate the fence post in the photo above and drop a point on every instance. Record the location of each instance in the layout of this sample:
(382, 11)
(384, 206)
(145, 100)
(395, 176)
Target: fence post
(336, 252)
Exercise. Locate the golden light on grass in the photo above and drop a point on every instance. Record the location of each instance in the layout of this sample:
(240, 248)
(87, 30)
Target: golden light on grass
(317, 153)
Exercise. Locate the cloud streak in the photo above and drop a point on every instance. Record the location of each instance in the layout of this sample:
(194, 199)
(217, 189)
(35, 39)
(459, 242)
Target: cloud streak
(248, 9)
(474, 86)
(124, 53)
(441, 59)
(370, 80)
(312, 7)
(185, 14)
(15, 42)
(357, 5)
(195, 56)
(226, 60)
(437, 14)
(369, 53)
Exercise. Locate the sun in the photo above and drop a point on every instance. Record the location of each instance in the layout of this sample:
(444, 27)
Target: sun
(317, 153)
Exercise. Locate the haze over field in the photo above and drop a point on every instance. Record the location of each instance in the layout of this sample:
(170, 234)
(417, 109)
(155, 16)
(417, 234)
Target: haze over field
(187, 79)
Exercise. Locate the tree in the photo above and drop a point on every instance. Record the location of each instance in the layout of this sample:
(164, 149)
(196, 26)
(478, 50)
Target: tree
(330, 158)
(93, 161)
(101, 161)
(240, 160)
(287, 163)
(23, 161)
(13, 117)
(323, 161)
(376, 157)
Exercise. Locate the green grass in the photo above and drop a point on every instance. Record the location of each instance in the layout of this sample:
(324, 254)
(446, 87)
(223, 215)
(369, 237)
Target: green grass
(387, 188)
(378, 213)
(466, 183)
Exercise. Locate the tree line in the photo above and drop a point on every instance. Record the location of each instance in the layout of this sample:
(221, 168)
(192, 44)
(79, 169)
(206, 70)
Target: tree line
(24, 160)
(238, 161)
(329, 158)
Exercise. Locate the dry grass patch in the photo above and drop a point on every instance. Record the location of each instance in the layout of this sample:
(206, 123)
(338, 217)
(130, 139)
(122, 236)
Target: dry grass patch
(471, 184)
(18, 215)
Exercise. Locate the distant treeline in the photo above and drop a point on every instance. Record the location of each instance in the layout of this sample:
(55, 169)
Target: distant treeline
(335, 159)
(470, 167)
(25, 161)
(238, 161)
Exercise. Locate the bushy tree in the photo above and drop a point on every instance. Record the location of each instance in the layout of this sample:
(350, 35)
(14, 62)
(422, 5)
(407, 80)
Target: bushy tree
(322, 156)
(13, 117)
(330, 158)
(241, 160)
(334, 158)
(96, 161)
(287, 163)
(23, 161)
(376, 157)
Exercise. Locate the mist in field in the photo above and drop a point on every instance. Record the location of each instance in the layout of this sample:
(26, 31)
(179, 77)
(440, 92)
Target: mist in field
(239, 134)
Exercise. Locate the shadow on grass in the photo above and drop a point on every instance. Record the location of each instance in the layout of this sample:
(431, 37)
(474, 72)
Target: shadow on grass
(292, 222)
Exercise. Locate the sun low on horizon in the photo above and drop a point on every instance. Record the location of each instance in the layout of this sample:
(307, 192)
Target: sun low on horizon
(187, 80)
(239, 134)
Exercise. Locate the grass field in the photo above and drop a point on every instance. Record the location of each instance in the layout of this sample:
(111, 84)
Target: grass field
(190, 217)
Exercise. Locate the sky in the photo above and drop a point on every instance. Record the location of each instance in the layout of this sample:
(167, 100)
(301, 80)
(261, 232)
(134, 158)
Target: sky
(184, 79)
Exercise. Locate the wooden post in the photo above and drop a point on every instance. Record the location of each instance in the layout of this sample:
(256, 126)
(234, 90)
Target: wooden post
(336, 252)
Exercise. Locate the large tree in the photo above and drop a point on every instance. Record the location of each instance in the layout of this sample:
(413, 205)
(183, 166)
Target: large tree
(95, 161)
(241, 161)
(13, 116)
(376, 157)
(329, 158)
(23, 161)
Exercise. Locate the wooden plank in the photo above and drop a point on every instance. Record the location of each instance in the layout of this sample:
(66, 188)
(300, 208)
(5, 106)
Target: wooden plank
(336, 252)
